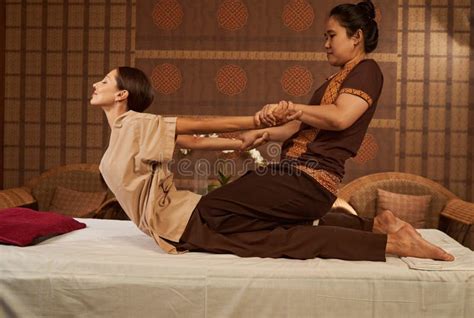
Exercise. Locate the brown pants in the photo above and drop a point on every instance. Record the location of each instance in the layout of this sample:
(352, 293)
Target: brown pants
(270, 214)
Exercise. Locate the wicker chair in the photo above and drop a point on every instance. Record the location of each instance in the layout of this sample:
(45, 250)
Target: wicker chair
(39, 191)
(447, 212)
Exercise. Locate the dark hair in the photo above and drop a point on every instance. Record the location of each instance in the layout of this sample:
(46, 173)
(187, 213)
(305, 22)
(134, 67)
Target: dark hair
(359, 16)
(140, 92)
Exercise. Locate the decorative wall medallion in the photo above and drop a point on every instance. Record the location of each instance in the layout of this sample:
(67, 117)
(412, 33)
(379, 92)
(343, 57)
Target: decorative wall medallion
(368, 150)
(231, 80)
(166, 78)
(168, 14)
(298, 15)
(232, 15)
(297, 81)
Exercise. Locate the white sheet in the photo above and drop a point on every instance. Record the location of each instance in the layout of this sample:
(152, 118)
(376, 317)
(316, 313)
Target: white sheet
(111, 269)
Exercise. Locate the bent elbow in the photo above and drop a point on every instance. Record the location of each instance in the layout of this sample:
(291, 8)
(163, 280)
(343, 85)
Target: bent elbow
(339, 124)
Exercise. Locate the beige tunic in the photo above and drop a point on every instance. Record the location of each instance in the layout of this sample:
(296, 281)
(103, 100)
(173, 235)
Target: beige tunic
(135, 168)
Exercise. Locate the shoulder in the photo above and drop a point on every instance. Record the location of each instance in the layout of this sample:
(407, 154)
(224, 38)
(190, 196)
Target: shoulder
(140, 119)
(367, 72)
(153, 124)
(143, 116)
(370, 66)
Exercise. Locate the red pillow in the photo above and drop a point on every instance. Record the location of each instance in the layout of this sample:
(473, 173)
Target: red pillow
(22, 226)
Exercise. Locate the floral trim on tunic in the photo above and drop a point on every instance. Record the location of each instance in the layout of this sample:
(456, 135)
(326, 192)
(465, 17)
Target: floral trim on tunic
(329, 181)
(300, 142)
(358, 93)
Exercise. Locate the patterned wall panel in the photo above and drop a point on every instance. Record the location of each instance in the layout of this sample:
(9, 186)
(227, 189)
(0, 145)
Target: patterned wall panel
(54, 51)
(230, 57)
(2, 86)
(470, 137)
(434, 92)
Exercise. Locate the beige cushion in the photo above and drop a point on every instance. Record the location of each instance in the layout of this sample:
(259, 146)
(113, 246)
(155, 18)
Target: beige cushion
(79, 180)
(364, 200)
(410, 208)
(76, 203)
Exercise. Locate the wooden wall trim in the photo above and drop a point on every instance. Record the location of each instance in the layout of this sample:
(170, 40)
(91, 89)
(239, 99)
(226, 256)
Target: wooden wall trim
(470, 146)
(2, 84)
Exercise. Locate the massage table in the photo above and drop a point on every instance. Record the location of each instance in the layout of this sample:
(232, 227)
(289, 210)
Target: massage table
(112, 269)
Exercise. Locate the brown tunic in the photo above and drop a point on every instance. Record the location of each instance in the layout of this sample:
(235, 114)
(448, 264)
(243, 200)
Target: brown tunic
(326, 151)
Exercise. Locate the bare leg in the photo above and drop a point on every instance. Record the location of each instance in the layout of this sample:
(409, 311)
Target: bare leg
(387, 223)
(404, 240)
(407, 242)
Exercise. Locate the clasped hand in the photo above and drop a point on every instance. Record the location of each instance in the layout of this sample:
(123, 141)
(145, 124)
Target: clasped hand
(276, 114)
(269, 115)
(253, 138)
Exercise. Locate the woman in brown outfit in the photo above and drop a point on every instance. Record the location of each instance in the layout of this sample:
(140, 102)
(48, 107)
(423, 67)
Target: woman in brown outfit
(269, 213)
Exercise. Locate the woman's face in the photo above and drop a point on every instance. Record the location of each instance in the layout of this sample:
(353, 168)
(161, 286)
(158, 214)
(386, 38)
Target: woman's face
(340, 48)
(105, 92)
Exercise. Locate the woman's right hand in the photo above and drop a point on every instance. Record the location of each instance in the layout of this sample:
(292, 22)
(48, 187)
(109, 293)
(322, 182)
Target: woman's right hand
(253, 139)
(277, 114)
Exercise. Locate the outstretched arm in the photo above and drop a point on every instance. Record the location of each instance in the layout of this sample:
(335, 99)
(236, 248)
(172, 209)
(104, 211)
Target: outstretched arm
(338, 116)
(246, 140)
(217, 124)
(257, 137)
(231, 123)
(207, 143)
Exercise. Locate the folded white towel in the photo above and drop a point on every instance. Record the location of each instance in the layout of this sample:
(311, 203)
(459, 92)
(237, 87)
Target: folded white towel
(464, 257)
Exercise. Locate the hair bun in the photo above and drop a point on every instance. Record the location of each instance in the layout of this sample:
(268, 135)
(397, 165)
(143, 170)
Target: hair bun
(368, 8)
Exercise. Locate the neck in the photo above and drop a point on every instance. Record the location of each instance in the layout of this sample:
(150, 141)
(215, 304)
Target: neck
(356, 59)
(113, 112)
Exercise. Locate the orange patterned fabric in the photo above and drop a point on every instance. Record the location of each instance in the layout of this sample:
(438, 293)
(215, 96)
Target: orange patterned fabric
(329, 181)
(332, 91)
(359, 93)
(300, 143)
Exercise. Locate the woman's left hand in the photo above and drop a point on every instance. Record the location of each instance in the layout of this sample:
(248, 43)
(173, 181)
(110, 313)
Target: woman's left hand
(253, 138)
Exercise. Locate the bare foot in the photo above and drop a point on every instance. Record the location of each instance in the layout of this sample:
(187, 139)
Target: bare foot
(387, 223)
(406, 242)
